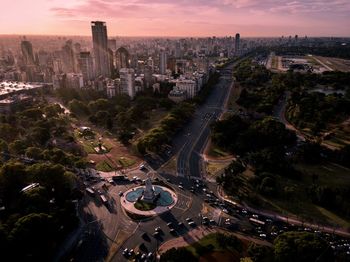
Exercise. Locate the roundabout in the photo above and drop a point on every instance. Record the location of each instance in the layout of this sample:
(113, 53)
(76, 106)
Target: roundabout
(148, 200)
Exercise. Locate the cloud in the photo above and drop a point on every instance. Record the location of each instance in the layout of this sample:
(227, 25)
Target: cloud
(172, 15)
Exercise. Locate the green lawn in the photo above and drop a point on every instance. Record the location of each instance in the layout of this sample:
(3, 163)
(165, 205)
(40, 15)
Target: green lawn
(144, 206)
(104, 166)
(126, 162)
(215, 151)
(297, 202)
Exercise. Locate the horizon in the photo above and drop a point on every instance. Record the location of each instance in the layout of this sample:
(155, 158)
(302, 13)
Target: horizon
(140, 18)
(171, 36)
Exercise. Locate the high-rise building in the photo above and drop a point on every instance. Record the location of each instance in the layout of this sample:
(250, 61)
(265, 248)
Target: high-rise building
(86, 66)
(27, 52)
(162, 62)
(100, 48)
(177, 52)
(68, 57)
(112, 44)
(127, 81)
(237, 44)
(122, 58)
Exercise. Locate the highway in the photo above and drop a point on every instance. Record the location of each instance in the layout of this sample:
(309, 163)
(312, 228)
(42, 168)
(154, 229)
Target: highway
(195, 135)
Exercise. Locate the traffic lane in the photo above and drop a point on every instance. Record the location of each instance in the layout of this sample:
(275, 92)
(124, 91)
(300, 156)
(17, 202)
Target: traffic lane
(144, 233)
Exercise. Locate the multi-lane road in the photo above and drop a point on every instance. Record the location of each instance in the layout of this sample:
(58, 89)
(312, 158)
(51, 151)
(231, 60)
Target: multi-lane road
(195, 135)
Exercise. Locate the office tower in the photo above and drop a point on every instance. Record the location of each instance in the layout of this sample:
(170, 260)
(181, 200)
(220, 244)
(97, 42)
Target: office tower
(148, 76)
(127, 81)
(122, 58)
(68, 57)
(86, 66)
(100, 48)
(162, 62)
(237, 44)
(112, 44)
(111, 62)
(27, 52)
(177, 50)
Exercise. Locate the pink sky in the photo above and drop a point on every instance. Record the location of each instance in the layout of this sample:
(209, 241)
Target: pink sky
(178, 17)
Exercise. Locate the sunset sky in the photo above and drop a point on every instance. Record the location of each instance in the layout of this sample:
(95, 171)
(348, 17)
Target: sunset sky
(178, 17)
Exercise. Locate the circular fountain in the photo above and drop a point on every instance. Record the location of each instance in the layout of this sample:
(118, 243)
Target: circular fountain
(148, 200)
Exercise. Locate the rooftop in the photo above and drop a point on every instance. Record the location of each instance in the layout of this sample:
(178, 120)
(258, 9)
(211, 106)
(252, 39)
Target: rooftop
(8, 87)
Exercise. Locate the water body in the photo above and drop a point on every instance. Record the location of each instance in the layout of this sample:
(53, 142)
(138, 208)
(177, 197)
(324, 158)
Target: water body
(164, 199)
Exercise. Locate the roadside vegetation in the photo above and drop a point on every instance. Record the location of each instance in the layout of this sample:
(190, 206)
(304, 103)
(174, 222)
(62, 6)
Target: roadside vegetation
(273, 169)
(221, 247)
(37, 149)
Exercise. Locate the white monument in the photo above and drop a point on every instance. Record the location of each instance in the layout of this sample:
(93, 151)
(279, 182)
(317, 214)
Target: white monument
(148, 194)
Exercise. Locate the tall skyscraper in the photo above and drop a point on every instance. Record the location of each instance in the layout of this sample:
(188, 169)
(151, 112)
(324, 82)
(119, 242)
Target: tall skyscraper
(237, 44)
(86, 66)
(100, 48)
(127, 81)
(163, 62)
(68, 57)
(27, 52)
(112, 44)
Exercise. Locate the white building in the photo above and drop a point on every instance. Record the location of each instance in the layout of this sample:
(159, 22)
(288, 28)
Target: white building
(127, 81)
(187, 85)
(113, 87)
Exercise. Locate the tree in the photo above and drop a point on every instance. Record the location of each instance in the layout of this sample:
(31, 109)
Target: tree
(302, 245)
(33, 237)
(77, 107)
(13, 178)
(177, 255)
(260, 253)
(34, 153)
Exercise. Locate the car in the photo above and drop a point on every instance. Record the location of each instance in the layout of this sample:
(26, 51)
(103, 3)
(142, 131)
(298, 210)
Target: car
(143, 257)
(157, 229)
(125, 251)
(188, 219)
(99, 192)
(131, 252)
(212, 221)
(180, 224)
(169, 224)
(192, 190)
(168, 180)
(191, 223)
(205, 218)
(172, 231)
(262, 235)
(155, 234)
(255, 216)
(225, 210)
(181, 184)
(150, 255)
(181, 187)
(121, 193)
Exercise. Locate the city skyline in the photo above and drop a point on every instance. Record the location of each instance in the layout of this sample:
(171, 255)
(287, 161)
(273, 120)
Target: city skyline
(166, 18)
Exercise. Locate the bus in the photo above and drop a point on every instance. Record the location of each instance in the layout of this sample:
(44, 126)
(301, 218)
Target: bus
(103, 199)
(118, 178)
(256, 221)
(90, 191)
